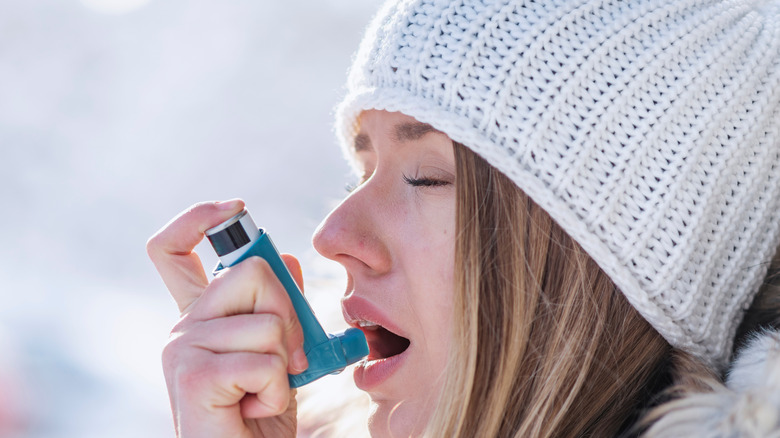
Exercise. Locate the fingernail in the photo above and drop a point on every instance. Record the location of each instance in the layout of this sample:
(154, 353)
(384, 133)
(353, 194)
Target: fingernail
(230, 204)
(299, 361)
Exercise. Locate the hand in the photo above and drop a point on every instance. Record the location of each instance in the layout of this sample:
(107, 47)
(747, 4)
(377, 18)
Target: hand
(227, 359)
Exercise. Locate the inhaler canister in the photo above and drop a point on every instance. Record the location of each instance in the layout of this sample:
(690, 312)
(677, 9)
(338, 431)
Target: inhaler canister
(231, 239)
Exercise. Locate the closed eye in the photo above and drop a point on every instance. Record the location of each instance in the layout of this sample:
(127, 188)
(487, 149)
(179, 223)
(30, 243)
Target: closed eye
(425, 182)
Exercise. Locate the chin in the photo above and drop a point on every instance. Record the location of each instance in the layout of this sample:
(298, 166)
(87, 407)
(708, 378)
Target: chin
(392, 419)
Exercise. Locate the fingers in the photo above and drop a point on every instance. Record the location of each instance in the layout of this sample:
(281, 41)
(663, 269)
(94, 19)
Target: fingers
(215, 363)
(248, 287)
(171, 248)
(294, 266)
(251, 287)
(208, 391)
(263, 333)
(221, 371)
(253, 407)
(239, 337)
(262, 374)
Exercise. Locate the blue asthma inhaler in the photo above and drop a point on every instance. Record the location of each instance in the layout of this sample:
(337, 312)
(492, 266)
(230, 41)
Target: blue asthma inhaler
(239, 238)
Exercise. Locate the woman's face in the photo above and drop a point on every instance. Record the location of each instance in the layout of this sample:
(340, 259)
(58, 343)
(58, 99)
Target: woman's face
(395, 235)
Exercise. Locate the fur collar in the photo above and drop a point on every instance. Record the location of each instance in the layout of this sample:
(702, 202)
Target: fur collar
(746, 406)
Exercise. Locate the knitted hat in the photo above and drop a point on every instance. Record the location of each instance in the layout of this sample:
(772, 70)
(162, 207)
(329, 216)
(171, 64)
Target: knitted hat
(648, 129)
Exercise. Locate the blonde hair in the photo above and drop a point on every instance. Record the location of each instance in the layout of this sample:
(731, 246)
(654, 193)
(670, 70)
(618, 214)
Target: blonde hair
(544, 344)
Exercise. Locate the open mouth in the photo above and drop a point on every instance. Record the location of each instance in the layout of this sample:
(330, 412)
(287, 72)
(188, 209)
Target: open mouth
(382, 343)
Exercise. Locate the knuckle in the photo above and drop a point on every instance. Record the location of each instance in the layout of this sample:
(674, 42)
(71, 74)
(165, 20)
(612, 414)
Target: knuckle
(189, 371)
(291, 328)
(276, 364)
(219, 279)
(152, 245)
(257, 268)
(277, 400)
(170, 354)
(183, 371)
(258, 273)
(182, 326)
(178, 342)
(199, 205)
(276, 394)
(291, 320)
(274, 327)
(193, 376)
(254, 271)
(174, 350)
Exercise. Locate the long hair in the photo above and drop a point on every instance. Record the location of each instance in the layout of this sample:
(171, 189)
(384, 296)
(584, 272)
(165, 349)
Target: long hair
(544, 344)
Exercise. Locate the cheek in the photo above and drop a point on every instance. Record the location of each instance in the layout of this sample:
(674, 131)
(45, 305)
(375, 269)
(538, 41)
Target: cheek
(438, 257)
(428, 261)
(438, 290)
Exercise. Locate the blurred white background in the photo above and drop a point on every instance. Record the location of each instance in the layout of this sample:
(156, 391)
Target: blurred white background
(115, 115)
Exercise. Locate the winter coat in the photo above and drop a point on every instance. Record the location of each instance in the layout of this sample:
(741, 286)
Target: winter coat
(746, 403)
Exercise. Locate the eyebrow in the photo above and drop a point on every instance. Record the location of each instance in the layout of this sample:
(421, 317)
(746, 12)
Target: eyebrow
(403, 132)
(362, 143)
(412, 131)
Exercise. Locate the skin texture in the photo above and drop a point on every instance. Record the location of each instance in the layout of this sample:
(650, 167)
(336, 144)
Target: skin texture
(227, 359)
(394, 235)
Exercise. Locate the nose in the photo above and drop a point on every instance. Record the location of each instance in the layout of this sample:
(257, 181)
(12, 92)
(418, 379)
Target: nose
(352, 234)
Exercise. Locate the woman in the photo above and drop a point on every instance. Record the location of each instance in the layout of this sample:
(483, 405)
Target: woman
(564, 209)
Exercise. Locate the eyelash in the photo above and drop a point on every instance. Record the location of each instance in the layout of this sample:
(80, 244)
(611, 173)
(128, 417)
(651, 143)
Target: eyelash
(414, 182)
(424, 182)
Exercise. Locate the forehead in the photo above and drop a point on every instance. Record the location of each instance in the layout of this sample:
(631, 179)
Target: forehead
(398, 127)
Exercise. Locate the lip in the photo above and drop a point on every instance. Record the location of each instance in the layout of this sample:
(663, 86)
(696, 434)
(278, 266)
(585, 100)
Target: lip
(369, 374)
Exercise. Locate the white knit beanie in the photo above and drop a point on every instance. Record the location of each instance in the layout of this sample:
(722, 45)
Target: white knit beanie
(648, 129)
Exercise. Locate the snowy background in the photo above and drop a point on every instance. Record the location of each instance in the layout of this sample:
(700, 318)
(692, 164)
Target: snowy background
(115, 115)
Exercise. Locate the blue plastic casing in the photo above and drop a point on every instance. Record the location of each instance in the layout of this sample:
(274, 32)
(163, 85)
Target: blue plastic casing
(327, 353)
